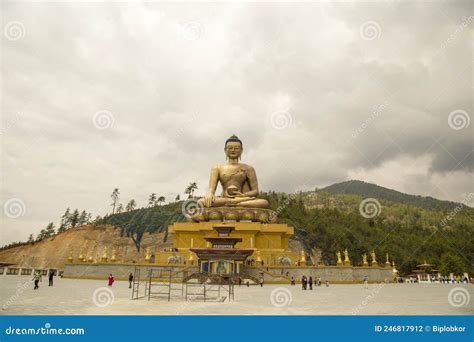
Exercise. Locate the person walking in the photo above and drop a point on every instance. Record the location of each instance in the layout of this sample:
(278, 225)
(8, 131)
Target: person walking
(310, 282)
(36, 279)
(111, 280)
(240, 281)
(50, 277)
(130, 280)
(261, 281)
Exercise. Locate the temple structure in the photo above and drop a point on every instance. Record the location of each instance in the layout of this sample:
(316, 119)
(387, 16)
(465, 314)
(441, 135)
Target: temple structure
(261, 244)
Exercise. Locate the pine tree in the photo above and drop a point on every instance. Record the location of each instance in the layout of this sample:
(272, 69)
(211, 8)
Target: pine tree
(161, 200)
(131, 205)
(190, 189)
(74, 218)
(31, 239)
(41, 235)
(119, 208)
(151, 200)
(65, 221)
(50, 230)
(177, 198)
(82, 218)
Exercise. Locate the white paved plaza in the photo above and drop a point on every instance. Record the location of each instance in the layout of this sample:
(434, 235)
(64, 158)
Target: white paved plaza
(88, 297)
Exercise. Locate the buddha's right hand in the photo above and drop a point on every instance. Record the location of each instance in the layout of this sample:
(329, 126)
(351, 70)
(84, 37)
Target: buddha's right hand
(208, 200)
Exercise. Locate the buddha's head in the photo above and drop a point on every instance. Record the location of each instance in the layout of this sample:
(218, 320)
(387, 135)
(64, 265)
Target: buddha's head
(233, 147)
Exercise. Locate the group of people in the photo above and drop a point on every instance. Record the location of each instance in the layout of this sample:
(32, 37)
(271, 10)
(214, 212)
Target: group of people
(439, 279)
(37, 278)
(307, 283)
(111, 280)
(448, 280)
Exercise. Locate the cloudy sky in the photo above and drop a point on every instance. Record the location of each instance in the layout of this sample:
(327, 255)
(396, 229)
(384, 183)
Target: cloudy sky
(142, 95)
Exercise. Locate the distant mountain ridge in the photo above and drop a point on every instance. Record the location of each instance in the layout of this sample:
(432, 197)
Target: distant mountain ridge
(356, 187)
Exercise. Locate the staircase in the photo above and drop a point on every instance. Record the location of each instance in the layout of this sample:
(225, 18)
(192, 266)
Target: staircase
(280, 277)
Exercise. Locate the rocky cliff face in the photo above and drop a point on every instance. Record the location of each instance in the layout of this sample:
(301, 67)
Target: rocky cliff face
(53, 252)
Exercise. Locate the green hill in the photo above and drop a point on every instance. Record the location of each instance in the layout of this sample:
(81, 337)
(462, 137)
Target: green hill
(409, 234)
(356, 187)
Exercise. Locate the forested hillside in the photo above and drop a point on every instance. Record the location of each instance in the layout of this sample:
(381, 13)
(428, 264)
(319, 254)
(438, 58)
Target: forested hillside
(409, 234)
(411, 229)
(331, 222)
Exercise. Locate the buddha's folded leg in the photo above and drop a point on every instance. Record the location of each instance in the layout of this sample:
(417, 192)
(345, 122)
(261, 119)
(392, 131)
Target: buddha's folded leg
(255, 203)
(218, 202)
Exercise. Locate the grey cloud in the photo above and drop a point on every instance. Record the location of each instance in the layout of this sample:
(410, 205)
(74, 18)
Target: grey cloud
(174, 100)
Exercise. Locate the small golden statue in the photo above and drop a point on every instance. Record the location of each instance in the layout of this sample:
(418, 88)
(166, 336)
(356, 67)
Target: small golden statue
(239, 181)
(374, 259)
(81, 255)
(364, 260)
(339, 259)
(148, 255)
(105, 256)
(347, 262)
(69, 258)
(90, 260)
(387, 262)
(302, 258)
(113, 258)
(191, 258)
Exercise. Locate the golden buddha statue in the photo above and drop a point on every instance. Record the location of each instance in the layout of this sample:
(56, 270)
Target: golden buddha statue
(364, 259)
(238, 180)
(147, 255)
(339, 258)
(387, 262)
(347, 261)
(374, 259)
(81, 255)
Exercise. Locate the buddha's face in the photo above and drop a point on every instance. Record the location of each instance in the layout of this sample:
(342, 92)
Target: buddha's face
(233, 150)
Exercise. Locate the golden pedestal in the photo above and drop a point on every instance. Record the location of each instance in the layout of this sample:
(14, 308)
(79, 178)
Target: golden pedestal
(269, 241)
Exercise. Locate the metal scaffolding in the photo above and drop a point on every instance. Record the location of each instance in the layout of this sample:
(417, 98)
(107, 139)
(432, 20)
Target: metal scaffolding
(166, 282)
